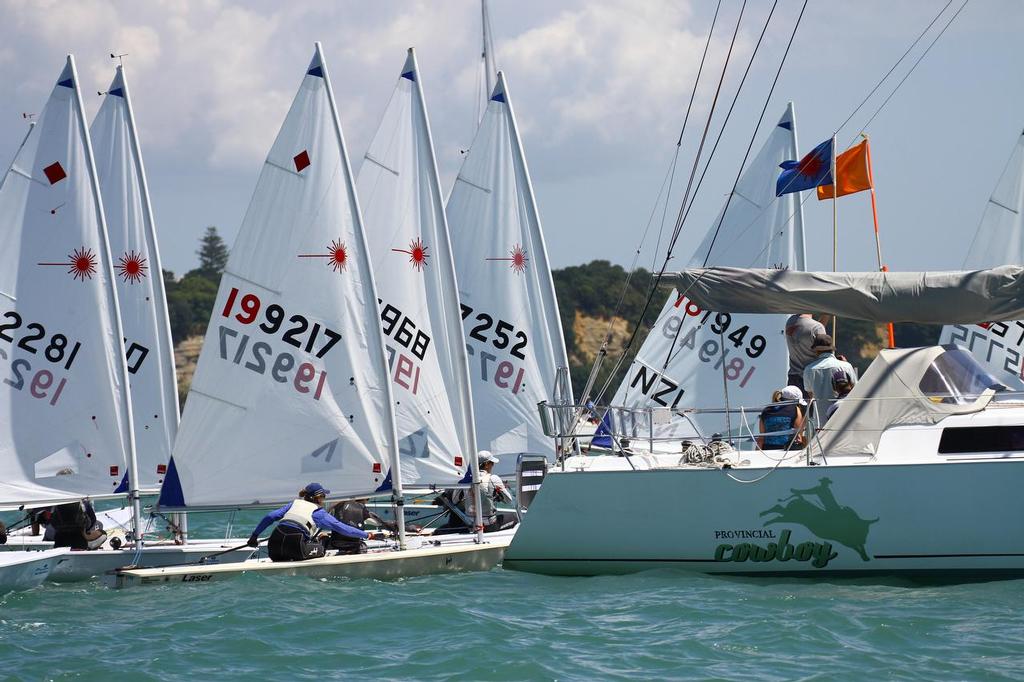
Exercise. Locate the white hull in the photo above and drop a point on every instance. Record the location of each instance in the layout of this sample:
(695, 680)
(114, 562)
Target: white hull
(950, 519)
(25, 570)
(452, 554)
(83, 565)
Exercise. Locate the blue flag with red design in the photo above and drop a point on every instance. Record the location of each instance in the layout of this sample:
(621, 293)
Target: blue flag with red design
(809, 172)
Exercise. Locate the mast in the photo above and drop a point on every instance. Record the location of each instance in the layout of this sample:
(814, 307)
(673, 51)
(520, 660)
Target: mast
(159, 292)
(108, 270)
(467, 423)
(375, 330)
(487, 56)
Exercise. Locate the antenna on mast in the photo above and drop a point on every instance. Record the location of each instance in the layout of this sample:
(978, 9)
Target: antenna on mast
(119, 57)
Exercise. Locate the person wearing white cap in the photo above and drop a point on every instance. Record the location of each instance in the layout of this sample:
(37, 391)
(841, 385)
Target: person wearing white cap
(780, 419)
(492, 490)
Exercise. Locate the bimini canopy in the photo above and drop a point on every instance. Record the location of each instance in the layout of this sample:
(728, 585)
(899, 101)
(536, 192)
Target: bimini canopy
(915, 386)
(926, 297)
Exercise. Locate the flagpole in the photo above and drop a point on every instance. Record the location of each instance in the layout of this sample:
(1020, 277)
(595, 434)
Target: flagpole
(835, 227)
(878, 238)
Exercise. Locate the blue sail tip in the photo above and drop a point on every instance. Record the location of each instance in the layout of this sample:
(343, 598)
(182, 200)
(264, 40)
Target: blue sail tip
(117, 92)
(171, 494)
(788, 125)
(498, 97)
(411, 75)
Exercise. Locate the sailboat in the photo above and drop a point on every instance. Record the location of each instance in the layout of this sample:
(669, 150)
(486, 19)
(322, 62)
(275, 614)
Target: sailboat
(407, 234)
(509, 310)
(89, 418)
(690, 353)
(293, 380)
(998, 346)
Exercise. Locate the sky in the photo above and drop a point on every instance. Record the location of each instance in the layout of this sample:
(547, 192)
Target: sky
(600, 88)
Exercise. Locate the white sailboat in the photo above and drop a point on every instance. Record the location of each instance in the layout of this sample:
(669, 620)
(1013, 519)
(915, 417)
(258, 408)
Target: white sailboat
(904, 478)
(70, 432)
(23, 570)
(509, 310)
(998, 346)
(407, 234)
(690, 353)
(293, 381)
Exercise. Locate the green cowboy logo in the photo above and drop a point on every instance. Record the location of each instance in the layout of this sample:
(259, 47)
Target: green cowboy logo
(826, 519)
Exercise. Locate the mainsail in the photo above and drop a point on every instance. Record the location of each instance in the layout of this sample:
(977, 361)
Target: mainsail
(509, 311)
(692, 356)
(292, 383)
(64, 410)
(407, 234)
(140, 284)
(998, 346)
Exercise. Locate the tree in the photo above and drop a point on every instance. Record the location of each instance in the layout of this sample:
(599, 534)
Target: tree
(213, 254)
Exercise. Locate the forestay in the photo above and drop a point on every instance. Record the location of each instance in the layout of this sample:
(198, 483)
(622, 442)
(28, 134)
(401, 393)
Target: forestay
(292, 382)
(140, 285)
(509, 311)
(63, 409)
(408, 238)
(692, 355)
(998, 346)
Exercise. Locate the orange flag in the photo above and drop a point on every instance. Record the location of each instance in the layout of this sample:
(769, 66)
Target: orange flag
(853, 167)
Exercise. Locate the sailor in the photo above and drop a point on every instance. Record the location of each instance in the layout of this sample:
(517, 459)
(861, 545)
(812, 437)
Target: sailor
(818, 374)
(295, 537)
(784, 414)
(75, 526)
(354, 513)
(492, 490)
(842, 384)
(800, 332)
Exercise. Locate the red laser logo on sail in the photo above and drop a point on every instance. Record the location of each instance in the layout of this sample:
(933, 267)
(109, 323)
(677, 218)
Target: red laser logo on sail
(132, 267)
(82, 264)
(517, 260)
(417, 253)
(337, 255)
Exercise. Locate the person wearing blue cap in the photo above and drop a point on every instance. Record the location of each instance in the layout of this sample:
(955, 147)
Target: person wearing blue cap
(294, 537)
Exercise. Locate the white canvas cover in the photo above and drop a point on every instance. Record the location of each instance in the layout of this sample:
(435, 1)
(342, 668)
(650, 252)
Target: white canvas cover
(510, 315)
(998, 346)
(407, 234)
(63, 418)
(683, 359)
(292, 382)
(140, 285)
(904, 386)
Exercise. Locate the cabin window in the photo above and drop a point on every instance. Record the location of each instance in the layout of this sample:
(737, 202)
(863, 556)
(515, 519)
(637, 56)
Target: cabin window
(981, 439)
(955, 377)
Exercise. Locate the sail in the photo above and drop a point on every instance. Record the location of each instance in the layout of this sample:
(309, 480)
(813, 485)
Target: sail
(292, 381)
(140, 286)
(407, 234)
(63, 414)
(509, 311)
(998, 346)
(693, 356)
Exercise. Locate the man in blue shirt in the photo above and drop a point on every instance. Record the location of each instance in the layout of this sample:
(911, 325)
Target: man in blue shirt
(294, 538)
(818, 374)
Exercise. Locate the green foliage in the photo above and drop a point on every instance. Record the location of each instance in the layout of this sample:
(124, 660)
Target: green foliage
(213, 254)
(190, 300)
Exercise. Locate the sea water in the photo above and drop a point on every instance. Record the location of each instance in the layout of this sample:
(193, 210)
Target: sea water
(502, 624)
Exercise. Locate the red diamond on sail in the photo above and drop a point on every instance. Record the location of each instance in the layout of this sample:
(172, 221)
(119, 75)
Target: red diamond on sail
(113, 470)
(458, 461)
(376, 467)
(54, 173)
(301, 161)
(161, 468)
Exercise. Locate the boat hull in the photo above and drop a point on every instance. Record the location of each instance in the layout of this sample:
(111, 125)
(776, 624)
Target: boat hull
(428, 559)
(25, 570)
(959, 520)
(85, 565)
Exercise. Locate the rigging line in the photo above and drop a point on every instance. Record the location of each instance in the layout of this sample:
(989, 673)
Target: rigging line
(714, 148)
(927, 50)
(675, 233)
(704, 136)
(671, 176)
(889, 72)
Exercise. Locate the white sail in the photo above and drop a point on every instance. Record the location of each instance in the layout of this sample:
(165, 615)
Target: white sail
(510, 315)
(692, 356)
(408, 237)
(140, 285)
(64, 416)
(998, 346)
(292, 382)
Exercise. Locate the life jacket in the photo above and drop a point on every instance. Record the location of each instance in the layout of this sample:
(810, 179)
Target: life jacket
(301, 514)
(69, 518)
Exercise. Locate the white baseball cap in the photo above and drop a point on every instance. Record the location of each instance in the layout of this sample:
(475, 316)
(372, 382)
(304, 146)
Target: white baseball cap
(793, 393)
(485, 456)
